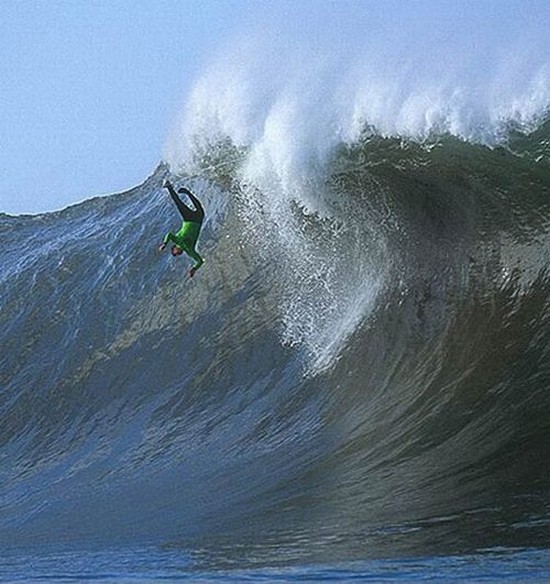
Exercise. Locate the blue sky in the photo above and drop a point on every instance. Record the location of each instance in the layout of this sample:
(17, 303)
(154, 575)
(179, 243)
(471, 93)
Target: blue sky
(90, 89)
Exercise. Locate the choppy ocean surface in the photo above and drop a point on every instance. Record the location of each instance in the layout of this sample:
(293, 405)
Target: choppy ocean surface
(141, 565)
(354, 387)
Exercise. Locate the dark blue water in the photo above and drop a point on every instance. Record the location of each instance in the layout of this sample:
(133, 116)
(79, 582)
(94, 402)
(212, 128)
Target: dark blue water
(153, 565)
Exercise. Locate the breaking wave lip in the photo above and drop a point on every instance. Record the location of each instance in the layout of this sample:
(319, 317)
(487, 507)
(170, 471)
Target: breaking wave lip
(268, 126)
(285, 119)
(292, 102)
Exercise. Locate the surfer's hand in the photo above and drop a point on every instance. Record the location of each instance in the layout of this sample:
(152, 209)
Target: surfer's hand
(162, 247)
(192, 272)
(166, 184)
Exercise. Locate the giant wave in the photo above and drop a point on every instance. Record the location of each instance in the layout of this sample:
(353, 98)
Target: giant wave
(360, 368)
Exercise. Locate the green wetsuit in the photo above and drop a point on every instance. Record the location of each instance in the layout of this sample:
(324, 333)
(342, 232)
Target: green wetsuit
(186, 239)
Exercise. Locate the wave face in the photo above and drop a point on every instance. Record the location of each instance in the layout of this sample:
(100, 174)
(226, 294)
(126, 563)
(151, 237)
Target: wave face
(367, 378)
(361, 368)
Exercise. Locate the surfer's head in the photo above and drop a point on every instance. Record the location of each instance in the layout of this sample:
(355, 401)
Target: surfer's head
(176, 251)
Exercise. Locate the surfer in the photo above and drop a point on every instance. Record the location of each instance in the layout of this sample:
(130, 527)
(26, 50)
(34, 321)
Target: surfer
(186, 238)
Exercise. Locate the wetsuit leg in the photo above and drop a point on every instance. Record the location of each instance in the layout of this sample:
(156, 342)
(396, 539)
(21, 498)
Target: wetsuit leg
(199, 216)
(187, 213)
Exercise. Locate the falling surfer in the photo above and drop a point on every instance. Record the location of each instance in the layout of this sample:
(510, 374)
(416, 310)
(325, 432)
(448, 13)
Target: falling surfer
(185, 239)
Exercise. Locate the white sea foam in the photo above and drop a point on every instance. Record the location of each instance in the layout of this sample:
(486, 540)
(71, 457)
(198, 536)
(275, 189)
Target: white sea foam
(291, 99)
(290, 94)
